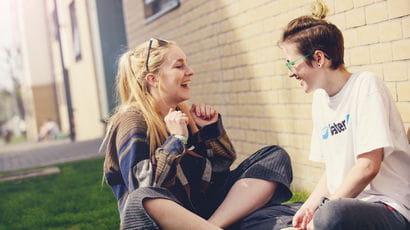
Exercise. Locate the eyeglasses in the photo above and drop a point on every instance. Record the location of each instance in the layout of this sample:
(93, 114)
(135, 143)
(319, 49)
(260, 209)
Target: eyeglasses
(160, 43)
(290, 64)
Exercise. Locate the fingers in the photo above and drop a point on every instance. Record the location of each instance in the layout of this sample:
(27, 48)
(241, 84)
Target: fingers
(297, 219)
(310, 226)
(203, 111)
(176, 122)
(176, 116)
(307, 217)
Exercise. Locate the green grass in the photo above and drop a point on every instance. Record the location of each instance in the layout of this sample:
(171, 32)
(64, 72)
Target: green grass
(298, 196)
(74, 199)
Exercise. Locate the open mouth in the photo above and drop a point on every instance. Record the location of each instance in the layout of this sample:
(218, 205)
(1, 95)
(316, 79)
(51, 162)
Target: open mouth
(185, 84)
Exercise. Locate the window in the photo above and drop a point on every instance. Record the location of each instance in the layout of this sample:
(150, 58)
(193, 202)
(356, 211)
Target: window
(75, 32)
(154, 9)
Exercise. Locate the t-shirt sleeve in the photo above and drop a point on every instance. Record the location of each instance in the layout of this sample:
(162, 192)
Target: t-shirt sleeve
(372, 130)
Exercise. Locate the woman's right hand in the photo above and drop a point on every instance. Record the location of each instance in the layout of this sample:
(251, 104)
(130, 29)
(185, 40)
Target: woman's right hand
(302, 218)
(176, 122)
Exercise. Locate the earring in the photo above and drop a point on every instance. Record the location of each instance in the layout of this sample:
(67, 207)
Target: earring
(318, 64)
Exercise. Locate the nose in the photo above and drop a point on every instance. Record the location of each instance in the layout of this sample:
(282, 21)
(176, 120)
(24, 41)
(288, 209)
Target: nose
(291, 74)
(189, 71)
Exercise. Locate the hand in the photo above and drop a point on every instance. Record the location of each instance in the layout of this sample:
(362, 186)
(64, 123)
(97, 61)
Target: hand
(302, 218)
(176, 122)
(310, 226)
(203, 114)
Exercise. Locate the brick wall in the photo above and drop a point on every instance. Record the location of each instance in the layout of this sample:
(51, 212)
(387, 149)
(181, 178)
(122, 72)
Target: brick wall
(231, 45)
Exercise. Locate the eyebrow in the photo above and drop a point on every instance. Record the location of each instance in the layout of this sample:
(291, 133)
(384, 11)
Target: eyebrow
(179, 60)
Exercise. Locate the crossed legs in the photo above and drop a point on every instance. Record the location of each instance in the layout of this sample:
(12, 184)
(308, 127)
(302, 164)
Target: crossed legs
(245, 196)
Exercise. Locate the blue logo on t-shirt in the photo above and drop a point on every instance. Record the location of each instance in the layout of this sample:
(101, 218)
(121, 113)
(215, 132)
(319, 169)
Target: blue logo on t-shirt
(335, 128)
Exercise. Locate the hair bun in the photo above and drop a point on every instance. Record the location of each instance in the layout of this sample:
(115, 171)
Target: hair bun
(319, 9)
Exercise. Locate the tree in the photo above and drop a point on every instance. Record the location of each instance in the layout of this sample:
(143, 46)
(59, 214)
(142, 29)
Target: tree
(13, 56)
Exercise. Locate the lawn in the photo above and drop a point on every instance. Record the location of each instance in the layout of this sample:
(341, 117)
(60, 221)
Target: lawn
(74, 199)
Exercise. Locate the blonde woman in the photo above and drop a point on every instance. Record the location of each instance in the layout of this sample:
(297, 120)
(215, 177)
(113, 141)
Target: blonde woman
(168, 164)
(357, 133)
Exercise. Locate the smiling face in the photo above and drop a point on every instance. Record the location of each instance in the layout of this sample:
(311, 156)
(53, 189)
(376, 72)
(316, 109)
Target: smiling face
(307, 75)
(175, 77)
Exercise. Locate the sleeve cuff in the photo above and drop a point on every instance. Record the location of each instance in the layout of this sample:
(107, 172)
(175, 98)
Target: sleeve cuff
(173, 146)
(213, 130)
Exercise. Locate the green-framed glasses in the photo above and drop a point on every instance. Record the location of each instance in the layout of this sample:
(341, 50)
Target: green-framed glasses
(290, 64)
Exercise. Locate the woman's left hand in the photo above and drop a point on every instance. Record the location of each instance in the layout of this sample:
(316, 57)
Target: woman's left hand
(203, 114)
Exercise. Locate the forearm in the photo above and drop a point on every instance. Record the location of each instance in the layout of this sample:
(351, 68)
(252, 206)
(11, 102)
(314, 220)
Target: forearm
(168, 156)
(362, 173)
(320, 191)
(214, 137)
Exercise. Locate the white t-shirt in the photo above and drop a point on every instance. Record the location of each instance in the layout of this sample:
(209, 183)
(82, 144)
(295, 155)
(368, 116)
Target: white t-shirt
(360, 118)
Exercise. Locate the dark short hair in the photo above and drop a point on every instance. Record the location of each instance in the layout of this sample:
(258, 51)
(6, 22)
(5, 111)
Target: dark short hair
(310, 34)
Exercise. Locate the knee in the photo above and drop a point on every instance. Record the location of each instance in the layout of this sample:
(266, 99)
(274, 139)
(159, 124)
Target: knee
(332, 215)
(281, 154)
(152, 205)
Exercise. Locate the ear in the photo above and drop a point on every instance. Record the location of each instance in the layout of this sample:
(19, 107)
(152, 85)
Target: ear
(152, 80)
(319, 57)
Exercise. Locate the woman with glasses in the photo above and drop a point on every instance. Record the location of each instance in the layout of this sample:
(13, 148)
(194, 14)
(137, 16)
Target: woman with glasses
(168, 164)
(357, 133)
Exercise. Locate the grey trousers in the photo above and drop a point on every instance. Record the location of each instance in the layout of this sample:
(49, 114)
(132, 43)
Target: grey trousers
(352, 214)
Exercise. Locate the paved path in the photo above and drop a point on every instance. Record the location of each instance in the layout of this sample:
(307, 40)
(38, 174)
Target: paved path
(32, 155)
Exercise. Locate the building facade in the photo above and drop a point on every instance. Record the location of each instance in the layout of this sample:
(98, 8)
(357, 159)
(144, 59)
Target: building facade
(69, 49)
(232, 47)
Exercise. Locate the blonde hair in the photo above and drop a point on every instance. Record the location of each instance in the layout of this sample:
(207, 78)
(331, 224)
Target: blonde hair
(133, 92)
(319, 9)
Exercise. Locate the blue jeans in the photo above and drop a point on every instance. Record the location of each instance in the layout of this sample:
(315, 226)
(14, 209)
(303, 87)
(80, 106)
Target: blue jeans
(348, 213)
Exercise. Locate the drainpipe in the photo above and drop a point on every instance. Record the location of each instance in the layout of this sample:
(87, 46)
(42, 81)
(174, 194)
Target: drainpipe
(65, 76)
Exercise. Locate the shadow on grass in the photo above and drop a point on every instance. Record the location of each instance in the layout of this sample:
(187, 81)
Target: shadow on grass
(74, 199)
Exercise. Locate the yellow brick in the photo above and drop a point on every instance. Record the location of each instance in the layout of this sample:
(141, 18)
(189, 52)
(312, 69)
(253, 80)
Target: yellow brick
(359, 56)
(390, 30)
(403, 91)
(303, 126)
(339, 20)
(239, 86)
(297, 96)
(271, 138)
(356, 18)
(380, 53)
(406, 27)
(341, 6)
(277, 82)
(366, 35)
(267, 97)
(359, 3)
(391, 86)
(243, 72)
(376, 13)
(283, 139)
(398, 8)
(395, 71)
(263, 70)
(260, 137)
(261, 84)
(350, 38)
(404, 109)
(401, 49)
